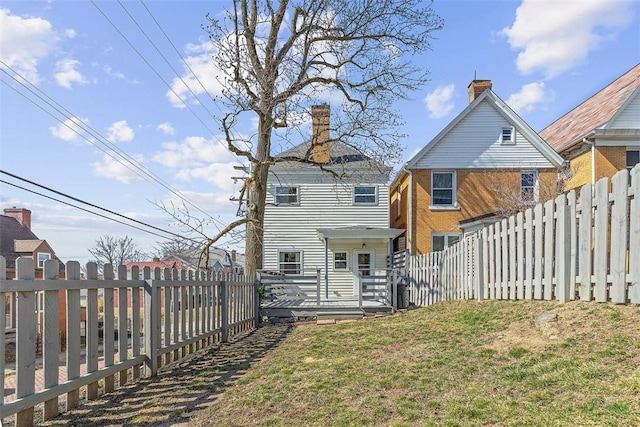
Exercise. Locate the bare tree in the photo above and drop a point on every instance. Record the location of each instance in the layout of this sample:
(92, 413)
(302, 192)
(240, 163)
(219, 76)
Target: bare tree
(116, 251)
(279, 58)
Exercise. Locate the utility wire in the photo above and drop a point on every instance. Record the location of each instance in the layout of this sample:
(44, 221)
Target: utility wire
(91, 205)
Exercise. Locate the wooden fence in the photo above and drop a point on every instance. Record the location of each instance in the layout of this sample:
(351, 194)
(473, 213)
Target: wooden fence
(582, 245)
(160, 317)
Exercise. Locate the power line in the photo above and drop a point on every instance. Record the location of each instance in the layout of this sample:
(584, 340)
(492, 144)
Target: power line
(91, 205)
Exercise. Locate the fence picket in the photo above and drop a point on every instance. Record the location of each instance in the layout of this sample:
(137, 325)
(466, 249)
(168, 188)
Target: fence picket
(634, 237)
(619, 237)
(528, 254)
(601, 242)
(51, 341)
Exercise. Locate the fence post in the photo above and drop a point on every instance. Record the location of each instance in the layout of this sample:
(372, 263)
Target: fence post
(151, 309)
(224, 297)
(563, 249)
(25, 340)
(479, 267)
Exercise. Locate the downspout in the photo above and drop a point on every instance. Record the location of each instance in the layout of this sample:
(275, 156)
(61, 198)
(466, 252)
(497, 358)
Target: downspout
(326, 267)
(593, 161)
(409, 210)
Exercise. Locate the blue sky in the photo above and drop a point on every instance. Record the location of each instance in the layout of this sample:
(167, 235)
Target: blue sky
(66, 61)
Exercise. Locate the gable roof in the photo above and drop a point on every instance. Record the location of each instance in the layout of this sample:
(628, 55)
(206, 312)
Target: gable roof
(489, 96)
(593, 113)
(17, 239)
(342, 157)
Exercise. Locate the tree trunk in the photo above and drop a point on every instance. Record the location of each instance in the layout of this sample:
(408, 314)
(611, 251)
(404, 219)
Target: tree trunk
(257, 199)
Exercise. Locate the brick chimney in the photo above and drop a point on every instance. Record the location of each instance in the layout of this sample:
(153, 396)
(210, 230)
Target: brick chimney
(476, 87)
(234, 255)
(320, 115)
(21, 214)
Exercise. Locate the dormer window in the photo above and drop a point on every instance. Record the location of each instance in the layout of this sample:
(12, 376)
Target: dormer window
(42, 257)
(507, 136)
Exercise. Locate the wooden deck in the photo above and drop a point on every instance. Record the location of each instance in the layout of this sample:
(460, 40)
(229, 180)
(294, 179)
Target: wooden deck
(307, 309)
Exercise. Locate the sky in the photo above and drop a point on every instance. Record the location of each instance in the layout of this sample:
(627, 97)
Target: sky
(117, 67)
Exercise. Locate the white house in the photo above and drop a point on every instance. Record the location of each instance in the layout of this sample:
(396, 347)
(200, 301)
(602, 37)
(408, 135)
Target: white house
(329, 211)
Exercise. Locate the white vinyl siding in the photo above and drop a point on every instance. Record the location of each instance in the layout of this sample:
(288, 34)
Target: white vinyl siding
(629, 117)
(476, 142)
(324, 205)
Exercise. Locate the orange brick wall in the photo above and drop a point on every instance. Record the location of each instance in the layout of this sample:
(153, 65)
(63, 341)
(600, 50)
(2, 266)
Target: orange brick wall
(609, 160)
(475, 196)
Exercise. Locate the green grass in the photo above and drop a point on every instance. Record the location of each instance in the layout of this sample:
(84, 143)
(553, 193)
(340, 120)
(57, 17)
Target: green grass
(452, 364)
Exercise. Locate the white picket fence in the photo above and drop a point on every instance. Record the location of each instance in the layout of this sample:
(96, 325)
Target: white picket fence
(161, 316)
(579, 246)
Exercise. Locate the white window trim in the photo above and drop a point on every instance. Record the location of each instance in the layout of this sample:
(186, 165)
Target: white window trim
(375, 188)
(446, 235)
(512, 141)
(536, 187)
(41, 261)
(454, 193)
(300, 251)
(275, 195)
(346, 260)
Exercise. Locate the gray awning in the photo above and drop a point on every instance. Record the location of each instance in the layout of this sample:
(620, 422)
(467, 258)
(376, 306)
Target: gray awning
(356, 232)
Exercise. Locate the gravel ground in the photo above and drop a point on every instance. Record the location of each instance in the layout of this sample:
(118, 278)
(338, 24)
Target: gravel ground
(179, 390)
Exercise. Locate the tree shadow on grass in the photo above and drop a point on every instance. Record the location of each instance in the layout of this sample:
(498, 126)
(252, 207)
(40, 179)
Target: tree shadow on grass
(180, 388)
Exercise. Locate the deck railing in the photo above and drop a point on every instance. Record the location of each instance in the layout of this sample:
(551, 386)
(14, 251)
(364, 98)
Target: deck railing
(160, 316)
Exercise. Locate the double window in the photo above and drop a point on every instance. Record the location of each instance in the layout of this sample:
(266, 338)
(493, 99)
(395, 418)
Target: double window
(287, 196)
(440, 241)
(290, 262)
(529, 186)
(340, 260)
(443, 188)
(365, 195)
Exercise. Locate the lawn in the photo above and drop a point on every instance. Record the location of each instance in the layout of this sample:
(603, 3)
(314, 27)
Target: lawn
(452, 364)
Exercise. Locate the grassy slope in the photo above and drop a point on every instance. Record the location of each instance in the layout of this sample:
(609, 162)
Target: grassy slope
(452, 364)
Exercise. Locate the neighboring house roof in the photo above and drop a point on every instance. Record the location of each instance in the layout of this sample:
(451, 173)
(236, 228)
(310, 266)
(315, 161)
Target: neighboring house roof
(343, 159)
(17, 239)
(593, 113)
(502, 108)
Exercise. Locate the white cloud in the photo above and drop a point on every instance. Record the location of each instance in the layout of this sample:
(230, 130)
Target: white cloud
(66, 73)
(529, 97)
(165, 128)
(199, 77)
(120, 132)
(553, 36)
(194, 150)
(24, 41)
(440, 101)
(197, 158)
(69, 129)
(120, 170)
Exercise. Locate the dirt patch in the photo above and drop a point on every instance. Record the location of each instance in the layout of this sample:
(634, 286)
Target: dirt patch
(572, 320)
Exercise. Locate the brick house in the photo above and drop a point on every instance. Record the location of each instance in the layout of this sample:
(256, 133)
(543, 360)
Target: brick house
(17, 240)
(601, 136)
(483, 165)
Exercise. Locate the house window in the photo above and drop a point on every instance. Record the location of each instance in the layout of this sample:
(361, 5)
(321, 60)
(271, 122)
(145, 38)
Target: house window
(340, 260)
(443, 185)
(365, 195)
(633, 158)
(290, 262)
(529, 186)
(440, 241)
(42, 257)
(287, 195)
(398, 202)
(507, 136)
